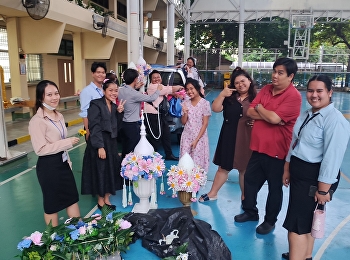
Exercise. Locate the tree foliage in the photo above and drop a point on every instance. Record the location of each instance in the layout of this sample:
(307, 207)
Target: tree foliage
(333, 34)
(263, 34)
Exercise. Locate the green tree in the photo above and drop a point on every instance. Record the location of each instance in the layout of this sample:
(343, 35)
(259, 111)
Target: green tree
(333, 34)
(263, 34)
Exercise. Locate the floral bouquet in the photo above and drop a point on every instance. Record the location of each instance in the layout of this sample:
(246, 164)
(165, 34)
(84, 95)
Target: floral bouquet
(143, 68)
(135, 166)
(87, 238)
(181, 179)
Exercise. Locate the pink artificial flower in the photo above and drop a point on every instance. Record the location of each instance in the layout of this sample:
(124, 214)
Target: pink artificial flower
(82, 230)
(125, 224)
(36, 238)
(143, 165)
(135, 169)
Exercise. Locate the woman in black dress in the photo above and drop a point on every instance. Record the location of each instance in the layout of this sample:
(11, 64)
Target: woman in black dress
(232, 151)
(101, 163)
(48, 134)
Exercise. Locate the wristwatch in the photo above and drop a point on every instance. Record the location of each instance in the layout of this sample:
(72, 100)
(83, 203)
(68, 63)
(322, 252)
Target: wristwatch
(321, 192)
(256, 107)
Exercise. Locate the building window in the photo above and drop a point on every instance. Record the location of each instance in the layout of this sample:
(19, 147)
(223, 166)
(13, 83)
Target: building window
(103, 3)
(33, 61)
(121, 11)
(34, 67)
(66, 48)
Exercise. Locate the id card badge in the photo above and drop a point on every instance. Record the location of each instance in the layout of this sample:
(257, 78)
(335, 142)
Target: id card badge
(64, 156)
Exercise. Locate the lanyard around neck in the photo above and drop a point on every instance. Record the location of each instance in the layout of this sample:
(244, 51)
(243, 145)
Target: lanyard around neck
(61, 133)
(306, 121)
(98, 91)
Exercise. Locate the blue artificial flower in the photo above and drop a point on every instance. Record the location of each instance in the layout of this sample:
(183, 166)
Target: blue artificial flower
(71, 227)
(25, 243)
(59, 238)
(80, 224)
(109, 217)
(74, 234)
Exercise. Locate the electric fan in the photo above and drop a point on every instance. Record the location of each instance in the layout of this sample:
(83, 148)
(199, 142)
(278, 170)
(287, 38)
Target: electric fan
(37, 9)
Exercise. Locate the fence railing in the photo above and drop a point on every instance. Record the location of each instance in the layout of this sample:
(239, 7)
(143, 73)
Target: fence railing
(215, 78)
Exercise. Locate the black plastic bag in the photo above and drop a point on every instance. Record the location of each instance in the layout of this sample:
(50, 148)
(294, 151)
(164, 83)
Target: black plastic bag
(180, 226)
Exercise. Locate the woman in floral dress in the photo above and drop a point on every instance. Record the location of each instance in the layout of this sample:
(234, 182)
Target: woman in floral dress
(195, 117)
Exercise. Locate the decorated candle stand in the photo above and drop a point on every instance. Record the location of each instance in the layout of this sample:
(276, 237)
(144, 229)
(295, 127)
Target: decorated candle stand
(185, 179)
(142, 167)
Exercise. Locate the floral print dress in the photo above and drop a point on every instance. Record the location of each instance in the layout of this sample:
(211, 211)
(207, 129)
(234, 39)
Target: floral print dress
(200, 154)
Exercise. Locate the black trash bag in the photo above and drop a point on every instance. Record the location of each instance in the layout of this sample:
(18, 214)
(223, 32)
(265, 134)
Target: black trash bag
(142, 224)
(179, 224)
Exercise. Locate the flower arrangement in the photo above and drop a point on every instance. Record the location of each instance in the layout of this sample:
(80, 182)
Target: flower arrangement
(135, 166)
(144, 69)
(182, 179)
(87, 238)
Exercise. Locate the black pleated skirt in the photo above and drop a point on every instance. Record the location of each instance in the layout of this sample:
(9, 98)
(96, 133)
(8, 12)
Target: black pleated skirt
(57, 183)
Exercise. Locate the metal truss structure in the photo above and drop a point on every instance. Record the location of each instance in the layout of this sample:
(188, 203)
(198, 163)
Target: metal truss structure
(301, 14)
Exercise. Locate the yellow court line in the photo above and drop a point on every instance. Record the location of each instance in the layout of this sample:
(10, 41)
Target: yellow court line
(345, 177)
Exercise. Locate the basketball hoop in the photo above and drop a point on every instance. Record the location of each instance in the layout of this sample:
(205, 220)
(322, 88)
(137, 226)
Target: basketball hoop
(302, 21)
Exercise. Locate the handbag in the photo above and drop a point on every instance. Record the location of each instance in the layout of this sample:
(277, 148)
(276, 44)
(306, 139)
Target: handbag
(164, 106)
(318, 221)
(175, 107)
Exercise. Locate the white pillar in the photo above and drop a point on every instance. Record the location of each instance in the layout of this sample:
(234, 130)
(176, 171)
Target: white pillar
(3, 138)
(5, 155)
(187, 31)
(141, 26)
(241, 33)
(133, 31)
(170, 33)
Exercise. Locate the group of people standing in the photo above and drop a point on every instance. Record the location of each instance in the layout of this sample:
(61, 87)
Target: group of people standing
(285, 148)
(263, 136)
(107, 111)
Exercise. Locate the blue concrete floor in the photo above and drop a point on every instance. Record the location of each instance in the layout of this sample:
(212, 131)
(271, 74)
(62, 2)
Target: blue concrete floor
(21, 210)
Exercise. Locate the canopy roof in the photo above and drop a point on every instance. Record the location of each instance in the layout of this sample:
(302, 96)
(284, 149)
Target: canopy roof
(206, 11)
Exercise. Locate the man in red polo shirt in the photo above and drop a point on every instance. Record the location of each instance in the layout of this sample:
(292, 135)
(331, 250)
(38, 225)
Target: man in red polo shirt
(275, 110)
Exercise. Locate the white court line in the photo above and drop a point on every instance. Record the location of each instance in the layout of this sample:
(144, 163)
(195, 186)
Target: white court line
(17, 175)
(330, 238)
(28, 170)
(89, 214)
